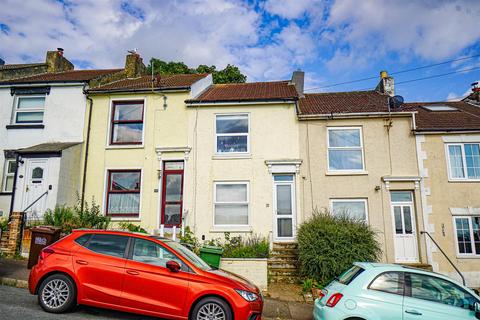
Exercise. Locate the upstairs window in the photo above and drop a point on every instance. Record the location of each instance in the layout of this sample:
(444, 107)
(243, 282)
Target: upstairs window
(232, 134)
(345, 149)
(9, 175)
(127, 123)
(464, 161)
(29, 110)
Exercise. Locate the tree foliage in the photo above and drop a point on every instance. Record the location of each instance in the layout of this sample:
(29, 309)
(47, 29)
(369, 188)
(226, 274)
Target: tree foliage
(230, 74)
(328, 245)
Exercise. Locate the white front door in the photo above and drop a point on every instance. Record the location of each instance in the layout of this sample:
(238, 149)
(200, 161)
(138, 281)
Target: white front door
(284, 206)
(404, 227)
(35, 186)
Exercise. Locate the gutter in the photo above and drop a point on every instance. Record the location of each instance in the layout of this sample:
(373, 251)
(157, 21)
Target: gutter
(440, 131)
(327, 116)
(240, 101)
(143, 90)
(40, 84)
(87, 143)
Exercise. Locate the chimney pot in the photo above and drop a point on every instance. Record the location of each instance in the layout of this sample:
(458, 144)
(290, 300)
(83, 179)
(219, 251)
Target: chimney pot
(60, 51)
(386, 84)
(383, 74)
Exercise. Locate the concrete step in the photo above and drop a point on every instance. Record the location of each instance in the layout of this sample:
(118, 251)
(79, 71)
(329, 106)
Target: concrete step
(284, 279)
(282, 265)
(280, 245)
(291, 251)
(283, 257)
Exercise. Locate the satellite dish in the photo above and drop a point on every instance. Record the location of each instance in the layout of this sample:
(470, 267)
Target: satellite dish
(395, 102)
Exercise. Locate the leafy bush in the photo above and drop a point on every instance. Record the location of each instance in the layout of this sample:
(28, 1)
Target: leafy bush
(68, 218)
(328, 245)
(252, 247)
(190, 240)
(131, 227)
(3, 224)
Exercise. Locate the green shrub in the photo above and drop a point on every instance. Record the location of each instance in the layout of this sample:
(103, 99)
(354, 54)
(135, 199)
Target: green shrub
(328, 245)
(190, 240)
(68, 218)
(3, 224)
(252, 247)
(131, 227)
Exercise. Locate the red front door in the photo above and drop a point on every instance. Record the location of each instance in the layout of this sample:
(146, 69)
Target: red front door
(172, 193)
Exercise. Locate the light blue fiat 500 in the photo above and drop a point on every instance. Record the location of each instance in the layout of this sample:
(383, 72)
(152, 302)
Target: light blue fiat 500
(373, 291)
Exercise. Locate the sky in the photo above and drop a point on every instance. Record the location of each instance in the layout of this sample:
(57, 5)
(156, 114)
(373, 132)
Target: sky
(332, 41)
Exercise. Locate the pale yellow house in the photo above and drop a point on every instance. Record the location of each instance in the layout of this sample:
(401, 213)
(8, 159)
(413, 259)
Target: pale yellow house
(447, 136)
(177, 151)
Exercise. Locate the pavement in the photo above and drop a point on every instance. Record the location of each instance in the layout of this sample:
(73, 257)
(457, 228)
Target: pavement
(16, 302)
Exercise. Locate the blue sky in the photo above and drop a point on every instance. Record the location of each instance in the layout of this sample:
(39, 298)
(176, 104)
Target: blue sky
(332, 41)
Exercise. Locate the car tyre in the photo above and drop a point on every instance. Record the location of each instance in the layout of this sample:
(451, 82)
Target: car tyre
(57, 294)
(211, 308)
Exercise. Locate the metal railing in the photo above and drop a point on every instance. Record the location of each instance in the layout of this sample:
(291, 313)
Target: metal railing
(445, 255)
(31, 204)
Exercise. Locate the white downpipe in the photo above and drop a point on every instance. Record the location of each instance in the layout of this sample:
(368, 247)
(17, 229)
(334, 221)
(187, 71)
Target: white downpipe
(174, 234)
(162, 230)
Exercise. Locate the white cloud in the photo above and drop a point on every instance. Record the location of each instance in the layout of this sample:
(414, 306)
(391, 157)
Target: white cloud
(428, 29)
(293, 9)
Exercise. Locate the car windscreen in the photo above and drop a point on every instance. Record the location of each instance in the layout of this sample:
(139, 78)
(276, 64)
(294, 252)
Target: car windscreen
(189, 255)
(348, 276)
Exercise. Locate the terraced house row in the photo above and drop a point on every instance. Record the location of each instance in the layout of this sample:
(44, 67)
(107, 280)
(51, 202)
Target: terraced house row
(168, 152)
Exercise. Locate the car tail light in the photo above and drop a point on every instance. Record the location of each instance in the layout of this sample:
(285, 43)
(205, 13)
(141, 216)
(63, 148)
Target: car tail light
(45, 253)
(334, 299)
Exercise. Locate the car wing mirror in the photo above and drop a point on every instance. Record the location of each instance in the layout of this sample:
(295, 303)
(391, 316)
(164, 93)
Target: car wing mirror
(173, 266)
(476, 308)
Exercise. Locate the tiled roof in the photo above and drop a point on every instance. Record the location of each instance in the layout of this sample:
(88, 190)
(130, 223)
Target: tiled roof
(466, 117)
(343, 102)
(66, 76)
(253, 91)
(145, 82)
(21, 65)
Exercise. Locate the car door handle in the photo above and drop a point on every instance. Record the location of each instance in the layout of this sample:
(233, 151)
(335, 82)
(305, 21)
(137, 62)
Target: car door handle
(414, 312)
(81, 262)
(133, 273)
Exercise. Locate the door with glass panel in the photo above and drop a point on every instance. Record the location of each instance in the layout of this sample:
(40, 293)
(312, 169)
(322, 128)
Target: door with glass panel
(404, 226)
(35, 187)
(284, 206)
(172, 193)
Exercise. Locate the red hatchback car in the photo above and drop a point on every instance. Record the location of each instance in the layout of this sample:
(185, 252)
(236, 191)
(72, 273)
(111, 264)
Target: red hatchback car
(140, 274)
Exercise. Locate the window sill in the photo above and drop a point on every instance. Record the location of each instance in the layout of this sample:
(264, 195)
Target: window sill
(346, 173)
(126, 146)
(222, 229)
(464, 180)
(25, 126)
(469, 257)
(232, 156)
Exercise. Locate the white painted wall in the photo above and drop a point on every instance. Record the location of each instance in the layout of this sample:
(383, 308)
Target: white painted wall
(254, 270)
(63, 119)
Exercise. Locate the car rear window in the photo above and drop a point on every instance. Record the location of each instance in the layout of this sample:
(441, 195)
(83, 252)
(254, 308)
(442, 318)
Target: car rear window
(83, 239)
(109, 244)
(348, 276)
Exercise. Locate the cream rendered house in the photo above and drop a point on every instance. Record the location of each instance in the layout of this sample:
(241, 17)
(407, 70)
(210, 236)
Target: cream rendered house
(447, 135)
(179, 151)
(360, 159)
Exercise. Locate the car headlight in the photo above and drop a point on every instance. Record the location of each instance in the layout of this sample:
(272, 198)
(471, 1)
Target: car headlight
(247, 295)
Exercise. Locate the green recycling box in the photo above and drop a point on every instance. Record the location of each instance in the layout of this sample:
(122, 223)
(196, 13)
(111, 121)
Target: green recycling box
(211, 255)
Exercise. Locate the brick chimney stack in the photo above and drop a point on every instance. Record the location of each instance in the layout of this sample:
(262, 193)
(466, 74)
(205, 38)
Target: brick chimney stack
(386, 84)
(56, 62)
(134, 66)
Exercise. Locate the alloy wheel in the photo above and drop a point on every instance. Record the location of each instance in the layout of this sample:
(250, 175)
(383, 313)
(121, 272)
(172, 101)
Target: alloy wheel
(211, 311)
(55, 294)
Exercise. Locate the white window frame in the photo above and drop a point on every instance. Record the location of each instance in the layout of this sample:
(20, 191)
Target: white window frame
(364, 200)
(17, 110)
(361, 148)
(464, 162)
(6, 174)
(247, 202)
(472, 241)
(247, 134)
